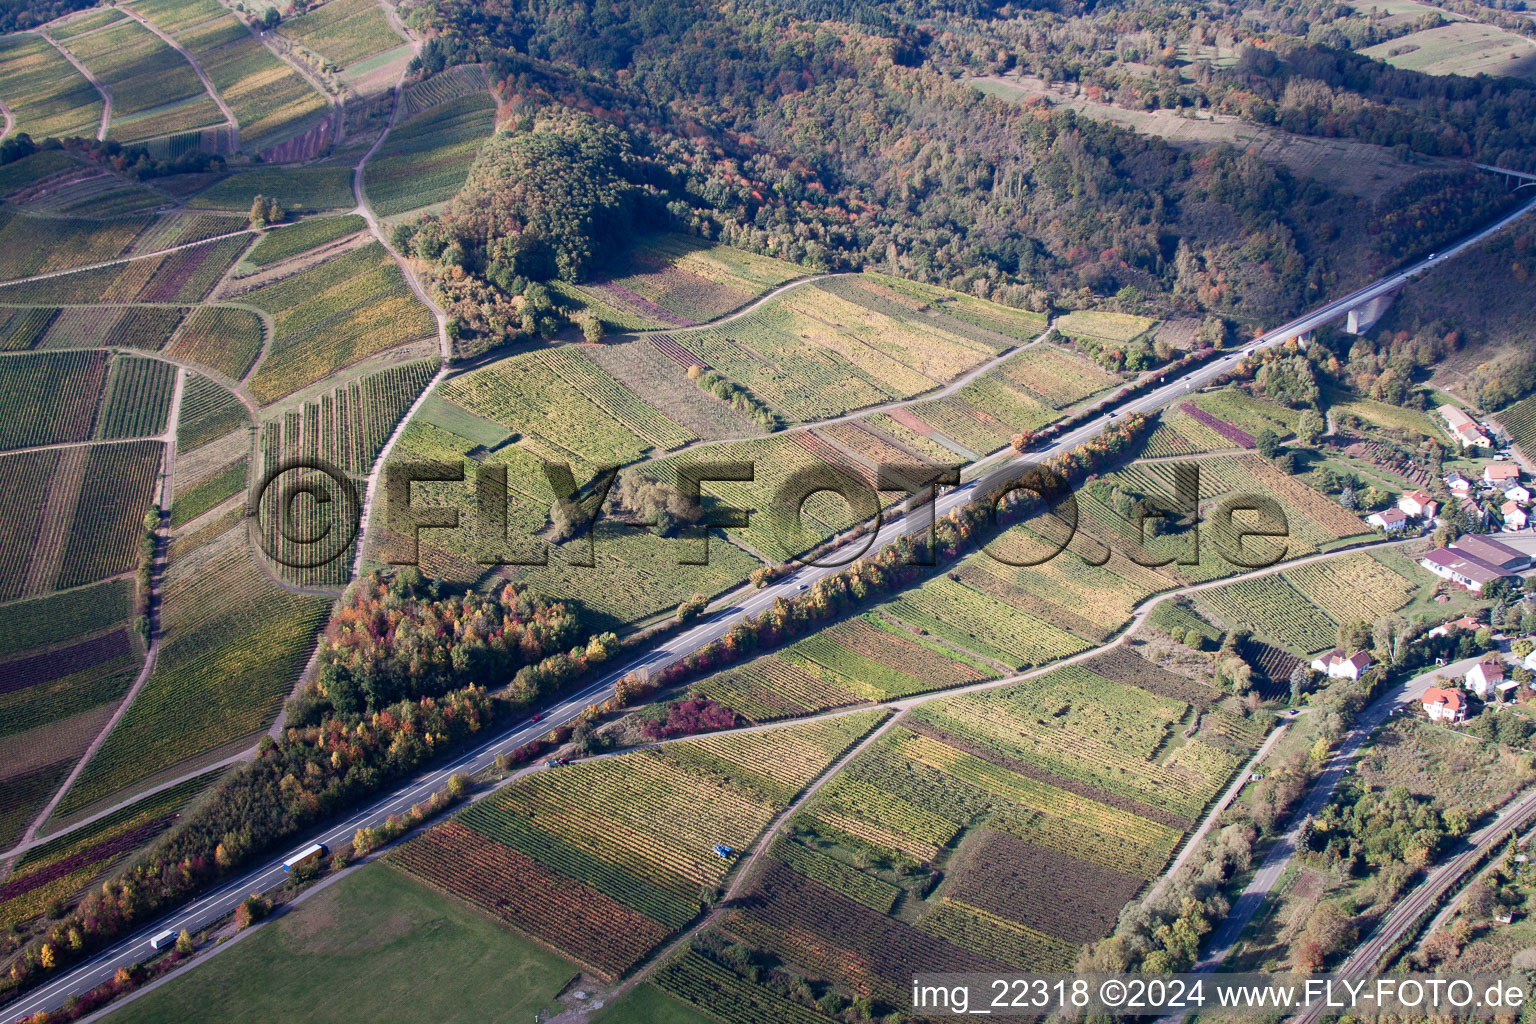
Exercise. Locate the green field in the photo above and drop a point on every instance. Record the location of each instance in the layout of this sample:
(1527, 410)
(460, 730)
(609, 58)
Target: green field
(425, 159)
(290, 240)
(357, 953)
(343, 31)
(44, 92)
(298, 189)
(647, 1004)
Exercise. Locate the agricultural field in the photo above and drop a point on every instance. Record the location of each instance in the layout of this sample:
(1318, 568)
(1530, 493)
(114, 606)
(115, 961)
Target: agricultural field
(44, 92)
(343, 31)
(207, 493)
(826, 348)
(645, 369)
(424, 160)
(674, 280)
(208, 411)
(226, 339)
(310, 233)
(946, 841)
(981, 624)
(117, 489)
(331, 315)
(1460, 48)
(299, 189)
(183, 276)
(602, 860)
(1519, 422)
(63, 868)
(1248, 413)
(49, 398)
(154, 90)
(141, 327)
(1397, 420)
(1100, 326)
(860, 659)
(364, 947)
(232, 644)
(138, 398)
(270, 100)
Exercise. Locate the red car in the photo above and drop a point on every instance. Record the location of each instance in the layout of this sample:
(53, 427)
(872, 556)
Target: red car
(536, 716)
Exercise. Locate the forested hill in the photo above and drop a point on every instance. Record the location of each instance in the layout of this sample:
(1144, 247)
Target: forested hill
(847, 143)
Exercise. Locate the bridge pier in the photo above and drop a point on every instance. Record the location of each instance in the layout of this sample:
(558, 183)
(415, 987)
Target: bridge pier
(1363, 317)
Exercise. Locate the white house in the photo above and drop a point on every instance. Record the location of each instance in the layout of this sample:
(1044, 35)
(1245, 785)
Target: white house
(1463, 427)
(1500, 473)
(1418, 504)
(1514, 490)
(1460, 486)
(1391, 520)
(1484, 677)
(1444, 705)
(1514, 516)
(1530, 661)
(1335, 665)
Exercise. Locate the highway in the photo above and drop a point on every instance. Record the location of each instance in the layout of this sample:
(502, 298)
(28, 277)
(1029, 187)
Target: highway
(728, 610)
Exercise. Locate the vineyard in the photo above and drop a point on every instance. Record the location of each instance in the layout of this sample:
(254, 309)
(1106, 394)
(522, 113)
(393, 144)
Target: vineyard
(977, 622)
(49, 398)
(566, 408)
(60, 617)
(333, 314)
(1352, 587)
(672, 280)
(1103, 326)
(207, 493)
(138, 398)
(141, 327)
(44, 92)
(343, 31)
(813, 353)
(208, 411)
(270, 100)
(232, 644)
(603, 859)
(348, 426)
(118, 488)
(303, 190)
(222, 338)
(1276, 610)
(290, 240)
(183, 276)
(1519, 422)
(143, 76)
(424, 160)
(40, 245)
(25, 504)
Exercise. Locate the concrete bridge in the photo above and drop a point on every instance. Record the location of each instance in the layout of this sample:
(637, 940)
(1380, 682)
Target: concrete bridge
(1514, 179)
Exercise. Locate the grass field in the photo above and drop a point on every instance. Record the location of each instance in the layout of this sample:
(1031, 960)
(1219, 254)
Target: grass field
(334, 314)
(44, 92)
(1460, 48)
(343, 31)
(426, 158)
(358, 952)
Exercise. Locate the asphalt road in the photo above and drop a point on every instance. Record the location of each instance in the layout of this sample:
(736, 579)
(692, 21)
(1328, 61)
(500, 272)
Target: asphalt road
(730, 609)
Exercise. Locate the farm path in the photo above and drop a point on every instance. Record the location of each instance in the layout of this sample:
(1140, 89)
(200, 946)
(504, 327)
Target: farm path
(106, 97)
(125, 259)
(156, 574)
(10, 121)
(765, 838)
(314, 82)
(230, 120)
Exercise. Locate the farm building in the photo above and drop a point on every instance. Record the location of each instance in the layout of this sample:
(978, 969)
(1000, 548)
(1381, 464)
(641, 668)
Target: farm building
(1444, 705)
(1462, 568)
(1336, 665)
(1463, 427)
(1418, 504)
(1391, 520)
(1493, 552)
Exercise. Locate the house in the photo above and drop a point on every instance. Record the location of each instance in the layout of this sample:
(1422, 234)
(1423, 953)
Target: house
(1444, 705)
(1500, 473)
(1514, 490)
(1335, 665)
(1530, 661)
(1463, 427)
(1466, 623)
(1464, 569)
(1485, 676)
(1391, 520)
(1418, 504)
(1514, 516)
(1460, 486)
(1492, 551)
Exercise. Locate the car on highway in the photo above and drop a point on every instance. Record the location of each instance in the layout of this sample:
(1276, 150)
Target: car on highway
(802, 586)
(535, 717)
